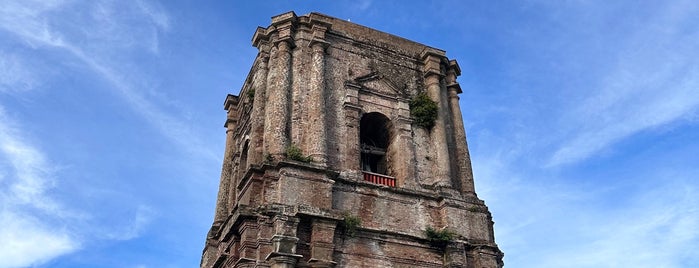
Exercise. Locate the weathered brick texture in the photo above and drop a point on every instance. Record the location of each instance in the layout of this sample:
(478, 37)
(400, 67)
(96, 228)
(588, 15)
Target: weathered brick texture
(367, 182)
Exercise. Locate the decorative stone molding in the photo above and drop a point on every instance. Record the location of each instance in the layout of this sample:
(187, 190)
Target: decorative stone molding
(314, 79)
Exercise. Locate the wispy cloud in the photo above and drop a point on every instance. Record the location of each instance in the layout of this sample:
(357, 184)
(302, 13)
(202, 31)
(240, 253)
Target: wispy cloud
(28, 214)
(654, 81)
(97, 38)
(32, 215)
(544, 221)
(656, 229)
(143, 216)
(26, 240)
(102, 48)
(14, 74)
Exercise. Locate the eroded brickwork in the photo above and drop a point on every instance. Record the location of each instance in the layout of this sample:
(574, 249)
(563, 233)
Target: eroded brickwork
(368, 181)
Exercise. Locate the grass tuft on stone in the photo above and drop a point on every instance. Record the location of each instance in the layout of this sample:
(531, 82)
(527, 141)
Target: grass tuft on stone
(424, 110)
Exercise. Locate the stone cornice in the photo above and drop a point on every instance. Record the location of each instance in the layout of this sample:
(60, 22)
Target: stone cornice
(453, 70)
(231, 100)
(260, 37)
(283, 18)
(454, 66)
(455, 86)
(284, 26)
(432, 60)
(318, 34)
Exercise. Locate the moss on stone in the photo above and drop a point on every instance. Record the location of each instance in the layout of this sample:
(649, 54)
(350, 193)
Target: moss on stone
(293, 152)
(351, 223)
(439, 238)
(424, 110)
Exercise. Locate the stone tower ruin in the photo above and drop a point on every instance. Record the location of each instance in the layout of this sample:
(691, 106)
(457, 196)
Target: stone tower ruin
(346, 148)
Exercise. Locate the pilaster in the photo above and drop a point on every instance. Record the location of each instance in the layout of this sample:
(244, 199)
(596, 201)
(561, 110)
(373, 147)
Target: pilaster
(322, 236)
(352, 115)
(433, 73)
(256, 150)
(464, 173)
(316, 105)
(402, 148)
(222, 201)
(284, 242)
(455, 255)
(276, 130)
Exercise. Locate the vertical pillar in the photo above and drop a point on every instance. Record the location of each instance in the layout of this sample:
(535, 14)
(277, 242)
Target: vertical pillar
(352, 115)
(486, 256)
(455, 255)
(256, 149)
(227, 170)
(248, 231)
(316, 103)
(432, 68)
(401, 150)
(284, 242)
(277, 110)
(322, 243)
(464, 172)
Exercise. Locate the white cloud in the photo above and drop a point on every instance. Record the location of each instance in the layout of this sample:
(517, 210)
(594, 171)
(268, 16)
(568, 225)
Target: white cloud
(156, 14)
(144, 215)
(115, 33)
(15, 75)
(544, 221)
(31, 218)
(654, 82)
(656, 229)
(27, 241)
(35, 225)
(27, 178)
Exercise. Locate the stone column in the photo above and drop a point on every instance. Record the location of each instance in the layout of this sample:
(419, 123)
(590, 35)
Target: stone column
(284, 242)
(464, 173)
(322, 238)
(277, 110)
(227, 170)
(432, 69)
(257, 117)
(316, 133)
(248, 234)
(455, 255)
(401, 150)
(350, 146)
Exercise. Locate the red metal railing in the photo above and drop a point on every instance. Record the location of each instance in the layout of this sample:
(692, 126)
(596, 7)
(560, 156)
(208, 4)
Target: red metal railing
(379, 179)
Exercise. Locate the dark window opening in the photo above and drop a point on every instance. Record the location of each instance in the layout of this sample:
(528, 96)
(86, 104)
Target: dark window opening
(244, 158)
(374, 138)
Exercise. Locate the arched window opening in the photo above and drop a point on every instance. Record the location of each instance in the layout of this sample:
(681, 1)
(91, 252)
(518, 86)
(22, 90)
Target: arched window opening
(244, 158)
(374, 136)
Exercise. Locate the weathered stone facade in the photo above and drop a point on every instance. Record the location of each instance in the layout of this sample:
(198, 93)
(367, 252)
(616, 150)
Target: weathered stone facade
(324, 166)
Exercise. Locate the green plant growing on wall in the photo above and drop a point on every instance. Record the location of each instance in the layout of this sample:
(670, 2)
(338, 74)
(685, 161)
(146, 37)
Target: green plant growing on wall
(269, 158)
(293, 152)
(351, 223)
(439, 238)
(424, 110)
(251, 94)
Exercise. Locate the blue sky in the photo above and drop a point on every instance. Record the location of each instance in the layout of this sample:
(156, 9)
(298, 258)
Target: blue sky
(582, 119)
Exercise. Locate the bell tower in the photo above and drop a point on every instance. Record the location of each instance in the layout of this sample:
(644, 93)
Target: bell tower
(346, 148)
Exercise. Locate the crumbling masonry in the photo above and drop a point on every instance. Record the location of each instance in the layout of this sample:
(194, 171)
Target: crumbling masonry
(324, 165)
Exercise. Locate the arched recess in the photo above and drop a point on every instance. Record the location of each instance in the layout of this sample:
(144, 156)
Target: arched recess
(375, 137)
(243, 167)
